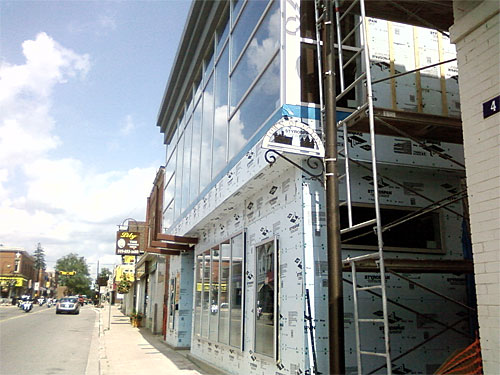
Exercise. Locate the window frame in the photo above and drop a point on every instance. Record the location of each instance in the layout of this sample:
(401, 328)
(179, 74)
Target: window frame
(217, 245)
(276, 298)
(441, 250)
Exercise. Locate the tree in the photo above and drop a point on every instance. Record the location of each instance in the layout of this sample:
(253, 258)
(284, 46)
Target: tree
(73, 273)
(40, 258)
(105, 273)
(103, 277)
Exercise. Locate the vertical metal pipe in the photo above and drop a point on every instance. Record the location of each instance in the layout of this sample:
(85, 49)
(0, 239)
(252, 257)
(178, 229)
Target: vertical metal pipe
(356, 317)
(335, 294)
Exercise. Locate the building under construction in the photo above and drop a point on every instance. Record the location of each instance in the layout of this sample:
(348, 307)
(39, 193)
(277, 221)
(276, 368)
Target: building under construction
(317, 203)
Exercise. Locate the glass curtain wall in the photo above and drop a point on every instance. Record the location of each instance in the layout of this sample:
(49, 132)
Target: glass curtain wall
(219, 292)
(237, 89)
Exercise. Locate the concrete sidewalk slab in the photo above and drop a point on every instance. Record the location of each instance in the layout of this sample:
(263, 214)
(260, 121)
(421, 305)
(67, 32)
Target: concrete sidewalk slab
(125, 350)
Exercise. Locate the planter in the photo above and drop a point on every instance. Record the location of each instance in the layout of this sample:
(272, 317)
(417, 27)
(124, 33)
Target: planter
(136, 323)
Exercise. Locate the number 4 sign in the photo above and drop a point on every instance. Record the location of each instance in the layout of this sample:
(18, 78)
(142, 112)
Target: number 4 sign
(491, 107)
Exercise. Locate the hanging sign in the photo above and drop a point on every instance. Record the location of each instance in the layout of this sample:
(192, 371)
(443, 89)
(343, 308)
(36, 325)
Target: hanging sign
(127, 243)
(291, 135)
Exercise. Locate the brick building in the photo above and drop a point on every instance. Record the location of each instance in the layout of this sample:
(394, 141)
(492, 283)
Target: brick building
(17, 272)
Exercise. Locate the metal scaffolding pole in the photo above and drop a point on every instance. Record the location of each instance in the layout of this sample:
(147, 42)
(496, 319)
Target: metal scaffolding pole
(335, 292)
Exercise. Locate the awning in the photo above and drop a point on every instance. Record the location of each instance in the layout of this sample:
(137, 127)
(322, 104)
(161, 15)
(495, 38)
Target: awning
(167, 244)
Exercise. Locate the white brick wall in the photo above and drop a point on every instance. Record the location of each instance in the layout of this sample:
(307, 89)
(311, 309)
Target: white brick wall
(477, 38)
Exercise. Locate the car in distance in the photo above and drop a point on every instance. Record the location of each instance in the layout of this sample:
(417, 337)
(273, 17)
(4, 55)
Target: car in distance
(69, 305)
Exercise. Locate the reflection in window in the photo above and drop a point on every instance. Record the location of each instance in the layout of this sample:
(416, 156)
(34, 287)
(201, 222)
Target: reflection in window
(265, 308)
(225, 257)
(220, 124)
(205, 304)
(178, 173)
(186, 165)
(214, 296)
(170, 166)
(236, 290)
(209, 64)
(243, 29)
(236, 8)
(261, 49)
(198, 294)
(246, 121)
(195, 154)
(222, 33)
(170, 183)
(221, 294)
(206, 137)
(168, 214)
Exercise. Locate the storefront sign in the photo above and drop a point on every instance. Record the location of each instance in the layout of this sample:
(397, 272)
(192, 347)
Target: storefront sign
(289, 134)
(127, 243)
(13, 281)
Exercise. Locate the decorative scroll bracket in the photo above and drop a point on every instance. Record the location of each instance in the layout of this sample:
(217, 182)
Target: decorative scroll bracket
(313, 162)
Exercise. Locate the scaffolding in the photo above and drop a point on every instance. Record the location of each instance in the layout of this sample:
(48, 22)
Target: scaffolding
(351, 49)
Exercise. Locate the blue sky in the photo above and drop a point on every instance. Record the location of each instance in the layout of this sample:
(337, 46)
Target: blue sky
(80, 87)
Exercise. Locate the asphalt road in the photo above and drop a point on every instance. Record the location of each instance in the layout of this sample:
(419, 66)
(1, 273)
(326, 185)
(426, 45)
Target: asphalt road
(43, 343)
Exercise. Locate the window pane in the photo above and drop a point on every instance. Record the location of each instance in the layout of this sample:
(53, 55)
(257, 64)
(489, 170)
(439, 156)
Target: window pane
(173, 141)
(205, 304)
(264, 317)
(251, 15)
(257, 107)
(178, 174)
(170, 166)
(421, 233)
(222, 32)
(168, 215)
(195, 154)
(309, 74)
(236, 8)
(236, 290)
(170, 179)
(214, 296)
(209, 64)
(186, 164)
(206, 136)
(220, 125)
(225, 255)
(198, 292)
(263, 46)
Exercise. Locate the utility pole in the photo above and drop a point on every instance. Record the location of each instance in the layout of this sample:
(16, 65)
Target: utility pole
(335, 292)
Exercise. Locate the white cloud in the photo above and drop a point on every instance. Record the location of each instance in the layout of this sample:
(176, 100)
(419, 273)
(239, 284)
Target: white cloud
(107, 22)
(128, 125)
(62, 203)
(25, 122)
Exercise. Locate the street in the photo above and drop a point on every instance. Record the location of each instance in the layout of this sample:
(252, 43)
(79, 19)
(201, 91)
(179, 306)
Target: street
(41, 342)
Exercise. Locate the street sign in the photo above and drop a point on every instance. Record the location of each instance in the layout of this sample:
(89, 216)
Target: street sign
(127, 243)
(289, 134)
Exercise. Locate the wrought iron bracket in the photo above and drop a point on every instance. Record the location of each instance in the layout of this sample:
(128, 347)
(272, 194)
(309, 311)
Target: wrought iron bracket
(313, 163)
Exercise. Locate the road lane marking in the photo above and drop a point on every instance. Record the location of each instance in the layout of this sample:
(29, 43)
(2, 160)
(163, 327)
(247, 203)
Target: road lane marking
(26, 314)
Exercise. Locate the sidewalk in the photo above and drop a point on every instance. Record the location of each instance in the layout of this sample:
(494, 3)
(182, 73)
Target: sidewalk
(120, 349)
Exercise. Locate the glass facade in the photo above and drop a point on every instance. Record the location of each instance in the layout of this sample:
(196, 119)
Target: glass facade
(237, 89)
(219, 292)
